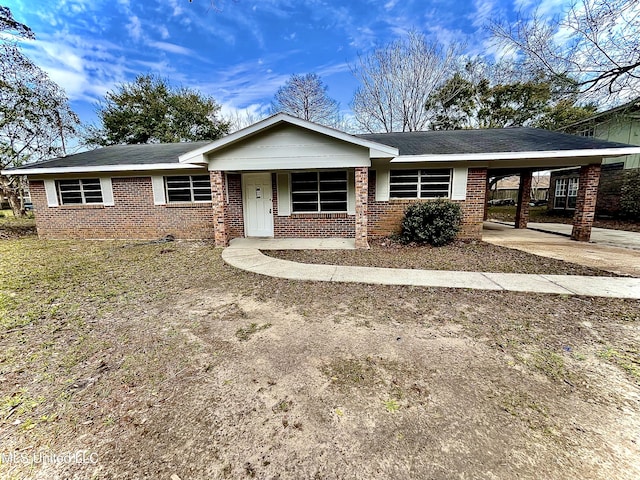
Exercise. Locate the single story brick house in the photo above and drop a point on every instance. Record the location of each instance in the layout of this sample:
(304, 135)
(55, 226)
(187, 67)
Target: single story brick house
(286, 177)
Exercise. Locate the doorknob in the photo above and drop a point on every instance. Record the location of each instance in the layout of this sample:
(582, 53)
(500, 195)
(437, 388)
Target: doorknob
(269, 210)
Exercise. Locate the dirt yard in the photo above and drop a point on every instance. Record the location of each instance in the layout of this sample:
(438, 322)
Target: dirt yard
(463, 256)
(157, 360)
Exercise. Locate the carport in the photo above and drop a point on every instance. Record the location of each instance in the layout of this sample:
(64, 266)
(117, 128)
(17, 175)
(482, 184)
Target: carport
(585, 200)
(526, 150)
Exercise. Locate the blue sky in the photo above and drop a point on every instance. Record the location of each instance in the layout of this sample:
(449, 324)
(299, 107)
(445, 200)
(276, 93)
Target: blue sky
(239, 51)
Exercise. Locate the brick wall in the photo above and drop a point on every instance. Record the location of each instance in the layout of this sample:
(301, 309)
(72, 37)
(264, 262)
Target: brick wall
(310, 225)
(235, 213)
(524, 198)
(611, 179)
(385, 217)
(586, 202)
(361, 200)
(133, 216)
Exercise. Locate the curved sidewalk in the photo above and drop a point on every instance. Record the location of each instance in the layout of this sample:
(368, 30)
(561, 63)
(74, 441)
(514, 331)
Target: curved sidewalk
(253, 260)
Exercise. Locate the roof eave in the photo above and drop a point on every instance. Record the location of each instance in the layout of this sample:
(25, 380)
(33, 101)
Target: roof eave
(469, 157)
(99, 169)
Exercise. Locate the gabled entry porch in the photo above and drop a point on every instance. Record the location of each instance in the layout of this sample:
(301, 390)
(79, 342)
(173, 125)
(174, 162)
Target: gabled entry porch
(321, 203)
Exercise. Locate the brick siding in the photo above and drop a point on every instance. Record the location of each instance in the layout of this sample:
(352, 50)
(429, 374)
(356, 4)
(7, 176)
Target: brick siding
(133, 216)
(586, 202)
(524, 198)
(362, 191)
(310, 225)
(385, 217)
(235, 212)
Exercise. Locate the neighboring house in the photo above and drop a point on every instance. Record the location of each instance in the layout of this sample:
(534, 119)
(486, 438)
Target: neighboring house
(507, 188)
(286, 177)
(620, 124)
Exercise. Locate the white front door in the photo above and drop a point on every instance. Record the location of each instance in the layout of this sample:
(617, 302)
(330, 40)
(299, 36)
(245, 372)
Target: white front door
(258, 204)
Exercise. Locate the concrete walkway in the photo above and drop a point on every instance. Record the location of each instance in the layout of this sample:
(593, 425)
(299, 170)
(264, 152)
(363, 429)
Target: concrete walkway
(620, 259)
(243, 254)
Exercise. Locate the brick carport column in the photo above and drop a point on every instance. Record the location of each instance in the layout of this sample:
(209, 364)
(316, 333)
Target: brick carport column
(362, 191)
(524, 197)
(586, 202)
(221, 236)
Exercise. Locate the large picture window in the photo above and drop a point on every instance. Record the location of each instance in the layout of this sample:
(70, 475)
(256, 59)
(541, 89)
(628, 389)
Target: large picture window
(188, 188)
(79, 191)
(319, 191)
(422, 183)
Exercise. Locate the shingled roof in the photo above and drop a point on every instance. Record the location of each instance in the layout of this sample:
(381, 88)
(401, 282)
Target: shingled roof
(144, 154)
(491, 144)
(498, 140)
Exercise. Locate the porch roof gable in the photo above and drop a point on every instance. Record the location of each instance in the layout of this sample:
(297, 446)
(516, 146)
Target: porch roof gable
(199, 156)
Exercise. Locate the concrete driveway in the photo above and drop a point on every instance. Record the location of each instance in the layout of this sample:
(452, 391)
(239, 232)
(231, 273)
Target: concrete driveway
(622, 259)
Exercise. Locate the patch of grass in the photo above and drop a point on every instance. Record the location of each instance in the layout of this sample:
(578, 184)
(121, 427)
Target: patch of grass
(551, 364)
(245, 333)
(579, 356)
(18, 404)
(529, 410)
(391, 405)
(282, 406)
(351, 372)
(628, 360)
(377, 377)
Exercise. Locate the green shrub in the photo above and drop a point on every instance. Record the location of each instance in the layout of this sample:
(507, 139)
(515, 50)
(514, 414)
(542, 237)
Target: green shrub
(434, 222)
(630, 195)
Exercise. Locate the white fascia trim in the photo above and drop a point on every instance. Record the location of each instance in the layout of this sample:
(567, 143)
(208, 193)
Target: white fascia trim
(466, 157)
(100, 169)
(377, 150)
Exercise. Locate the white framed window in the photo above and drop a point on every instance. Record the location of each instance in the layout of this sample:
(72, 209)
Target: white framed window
(560, 197)
(188, 188)
(566, 193)
(79, 191)
(572, 192)
(420, 183)
(313, 192)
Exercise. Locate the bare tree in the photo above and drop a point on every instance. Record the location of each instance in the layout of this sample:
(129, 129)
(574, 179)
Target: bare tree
(10, 24)
(242, 118)
(396, 82)
(305, 96)
(596, 42)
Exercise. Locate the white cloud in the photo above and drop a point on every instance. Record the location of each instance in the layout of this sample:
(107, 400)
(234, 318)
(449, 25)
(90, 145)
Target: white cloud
(243, 84)
(484, 11)
(332, 69)
(85, 69)
(176, 8)
(171, 48)
(163, 31)
(390, 4)
(134, 27)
